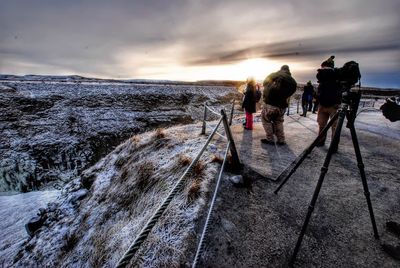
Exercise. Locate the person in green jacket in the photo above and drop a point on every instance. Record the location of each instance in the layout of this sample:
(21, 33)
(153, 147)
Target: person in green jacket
(278, 87)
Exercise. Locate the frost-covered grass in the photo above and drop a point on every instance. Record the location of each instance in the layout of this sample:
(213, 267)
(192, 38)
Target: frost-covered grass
(95, 226)
(15, 211)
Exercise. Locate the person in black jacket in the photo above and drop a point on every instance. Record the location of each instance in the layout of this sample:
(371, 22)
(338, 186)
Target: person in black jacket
(278, 87)
(249, 102)
(306, 98)
(329, 97)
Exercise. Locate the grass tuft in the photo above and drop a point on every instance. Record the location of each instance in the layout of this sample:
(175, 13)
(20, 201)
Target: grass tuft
(135, 139)
(217, 159)
(184, 160)
(125, 173)
(144, 173)
(160, 133)
(121, 161)
(99, 254)
(199, 168)
(71, 239)
(194, 191)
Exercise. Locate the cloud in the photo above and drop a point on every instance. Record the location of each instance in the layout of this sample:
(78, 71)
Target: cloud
(128, 38)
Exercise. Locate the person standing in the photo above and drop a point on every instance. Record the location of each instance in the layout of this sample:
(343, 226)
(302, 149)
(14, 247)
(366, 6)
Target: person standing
(306, 98)
(249, 102)
(278, 87)
(329, 97)
(314, 103)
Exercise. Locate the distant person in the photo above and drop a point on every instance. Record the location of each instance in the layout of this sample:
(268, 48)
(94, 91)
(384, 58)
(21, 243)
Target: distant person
(307, 98)
(249, 102)
(329, 62)
(329, 97)
(278, 87)
(258, 96)
(315, 103)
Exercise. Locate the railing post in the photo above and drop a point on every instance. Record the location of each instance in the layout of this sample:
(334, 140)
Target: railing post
(203, 128)
(231, 115)
(298, 104)
(232, 147)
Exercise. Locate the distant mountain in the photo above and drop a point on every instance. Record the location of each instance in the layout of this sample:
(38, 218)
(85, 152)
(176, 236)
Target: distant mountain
(78, 78)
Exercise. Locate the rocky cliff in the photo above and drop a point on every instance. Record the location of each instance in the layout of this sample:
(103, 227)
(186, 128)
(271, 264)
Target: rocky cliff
(50, 130)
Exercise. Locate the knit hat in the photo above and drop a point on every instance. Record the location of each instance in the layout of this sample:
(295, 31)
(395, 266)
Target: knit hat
(285, 68)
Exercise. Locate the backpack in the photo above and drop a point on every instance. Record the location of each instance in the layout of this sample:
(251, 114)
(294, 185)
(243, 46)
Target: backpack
(329, 93)
(257, 96)
(350, 73)
(327, 74)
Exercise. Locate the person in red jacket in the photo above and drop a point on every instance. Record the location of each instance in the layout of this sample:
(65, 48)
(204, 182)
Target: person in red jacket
(249, 102)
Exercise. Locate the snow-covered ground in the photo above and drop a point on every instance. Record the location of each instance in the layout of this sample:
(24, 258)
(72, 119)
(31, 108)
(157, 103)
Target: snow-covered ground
(109, 190)
(15, 212)
(71, 238)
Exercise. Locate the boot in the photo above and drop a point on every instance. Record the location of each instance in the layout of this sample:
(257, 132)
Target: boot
(321, 142)
(393, 227)
(393, 251)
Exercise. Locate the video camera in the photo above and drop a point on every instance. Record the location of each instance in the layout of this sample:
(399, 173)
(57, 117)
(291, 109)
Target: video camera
(346, 76)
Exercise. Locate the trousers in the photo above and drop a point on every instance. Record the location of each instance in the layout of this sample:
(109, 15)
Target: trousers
(272, 121)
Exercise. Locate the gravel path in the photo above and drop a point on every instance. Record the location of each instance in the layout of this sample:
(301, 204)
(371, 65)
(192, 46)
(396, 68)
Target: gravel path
(253, 227)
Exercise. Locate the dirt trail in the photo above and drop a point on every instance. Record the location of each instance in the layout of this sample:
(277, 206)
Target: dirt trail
(253, 227)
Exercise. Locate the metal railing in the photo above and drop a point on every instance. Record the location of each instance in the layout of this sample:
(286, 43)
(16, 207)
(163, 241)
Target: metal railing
(200, 246)
(134, 247)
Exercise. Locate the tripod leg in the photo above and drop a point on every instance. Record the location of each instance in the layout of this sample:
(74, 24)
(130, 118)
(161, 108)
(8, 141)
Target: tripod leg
(360, 165)
(305, 153)
(324, 170)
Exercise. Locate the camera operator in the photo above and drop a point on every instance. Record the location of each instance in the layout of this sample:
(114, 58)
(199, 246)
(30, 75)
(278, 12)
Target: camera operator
(329, 97)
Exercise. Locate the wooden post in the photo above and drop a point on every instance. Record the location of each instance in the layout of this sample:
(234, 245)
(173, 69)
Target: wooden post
(232, 147)
(231, 115)
(203, 128)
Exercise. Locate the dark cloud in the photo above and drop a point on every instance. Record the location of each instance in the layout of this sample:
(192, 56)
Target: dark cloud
(302, 48)
(120, 38)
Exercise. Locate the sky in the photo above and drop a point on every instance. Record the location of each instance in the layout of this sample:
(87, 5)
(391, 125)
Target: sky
(199, 39)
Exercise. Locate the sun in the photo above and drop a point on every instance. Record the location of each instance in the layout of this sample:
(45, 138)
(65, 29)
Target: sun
(258, 68)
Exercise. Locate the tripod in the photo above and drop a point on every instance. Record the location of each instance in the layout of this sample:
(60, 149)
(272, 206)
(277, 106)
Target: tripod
(350, 102)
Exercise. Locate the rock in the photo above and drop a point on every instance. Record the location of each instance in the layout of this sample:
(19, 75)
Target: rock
(213, 148)
(79, 195)
(51, 207)
(87, 180)
(237, 180)
(42, 212)
(34, 224)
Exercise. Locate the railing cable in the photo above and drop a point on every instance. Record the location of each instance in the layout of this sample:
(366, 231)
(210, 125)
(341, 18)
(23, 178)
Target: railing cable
(205, 228)
(126, 258)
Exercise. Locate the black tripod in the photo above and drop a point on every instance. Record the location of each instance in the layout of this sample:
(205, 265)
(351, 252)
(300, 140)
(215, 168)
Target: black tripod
(350, 102)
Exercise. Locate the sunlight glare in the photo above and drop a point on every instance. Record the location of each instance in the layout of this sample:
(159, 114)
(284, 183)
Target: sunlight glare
(258, 68)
